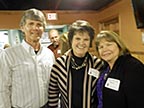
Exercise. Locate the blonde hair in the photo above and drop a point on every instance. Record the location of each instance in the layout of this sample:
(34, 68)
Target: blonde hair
(112, 37)
(64, 42)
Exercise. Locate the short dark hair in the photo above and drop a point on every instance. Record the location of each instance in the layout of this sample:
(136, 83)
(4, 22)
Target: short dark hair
(80, 26)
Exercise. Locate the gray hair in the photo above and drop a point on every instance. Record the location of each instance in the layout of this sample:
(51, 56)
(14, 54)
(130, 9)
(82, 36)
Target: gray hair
(33, 14)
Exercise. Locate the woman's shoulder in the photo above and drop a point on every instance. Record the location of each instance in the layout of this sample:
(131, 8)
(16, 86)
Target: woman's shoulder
(132, 60)
(95, 58)
(129, 62)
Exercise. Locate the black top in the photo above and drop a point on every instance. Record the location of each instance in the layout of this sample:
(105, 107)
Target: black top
(77, 83)
(130, 72)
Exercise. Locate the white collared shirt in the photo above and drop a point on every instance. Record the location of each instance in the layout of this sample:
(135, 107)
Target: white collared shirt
(24, 76)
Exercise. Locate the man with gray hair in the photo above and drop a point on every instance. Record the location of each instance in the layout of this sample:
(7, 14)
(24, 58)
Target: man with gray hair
(25, 68)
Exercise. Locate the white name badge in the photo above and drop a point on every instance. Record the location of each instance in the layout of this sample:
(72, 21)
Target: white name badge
(112, 83)
(94, 72)
(59, 51)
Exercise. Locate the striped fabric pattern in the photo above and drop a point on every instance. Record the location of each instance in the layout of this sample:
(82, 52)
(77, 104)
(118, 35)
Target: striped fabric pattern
(60, 82)
(24, 76)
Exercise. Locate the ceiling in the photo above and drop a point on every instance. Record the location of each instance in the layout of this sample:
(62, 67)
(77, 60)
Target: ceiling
(55, 4)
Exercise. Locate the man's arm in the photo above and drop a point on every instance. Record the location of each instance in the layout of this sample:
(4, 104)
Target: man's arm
(5, 82)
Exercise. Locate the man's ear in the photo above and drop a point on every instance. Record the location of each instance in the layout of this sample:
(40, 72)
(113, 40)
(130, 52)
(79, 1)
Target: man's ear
(22, 28)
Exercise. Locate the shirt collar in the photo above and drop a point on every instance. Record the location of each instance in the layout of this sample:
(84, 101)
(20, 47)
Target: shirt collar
(29, 48)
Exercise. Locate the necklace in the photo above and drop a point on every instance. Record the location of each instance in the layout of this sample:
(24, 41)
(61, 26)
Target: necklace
(76, 66)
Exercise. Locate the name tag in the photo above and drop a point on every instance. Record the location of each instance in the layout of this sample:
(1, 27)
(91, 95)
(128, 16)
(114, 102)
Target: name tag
(59, 51)
(94, 72)
(112, 83)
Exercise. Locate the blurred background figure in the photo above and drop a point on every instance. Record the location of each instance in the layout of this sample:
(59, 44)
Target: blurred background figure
(55, 42)
(6, 46)
(64, 43)
(59, 42)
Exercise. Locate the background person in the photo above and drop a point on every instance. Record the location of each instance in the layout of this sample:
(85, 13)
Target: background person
(64, 43)
(121, 85)
(25, 68)
(55, 42)
(6, 46)
(73, 76)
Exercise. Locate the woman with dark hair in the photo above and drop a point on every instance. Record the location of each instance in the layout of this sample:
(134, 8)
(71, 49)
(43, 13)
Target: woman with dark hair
(121, 85)
(74, 74)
